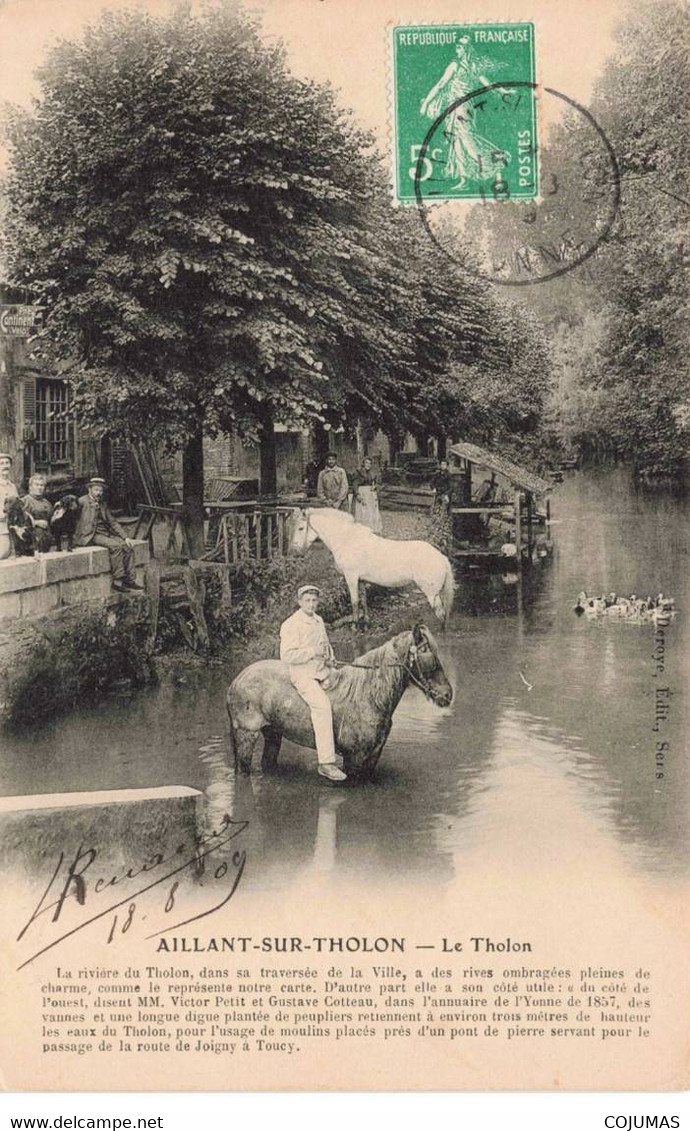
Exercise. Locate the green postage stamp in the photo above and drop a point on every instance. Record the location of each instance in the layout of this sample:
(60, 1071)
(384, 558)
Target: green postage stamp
(465, 112)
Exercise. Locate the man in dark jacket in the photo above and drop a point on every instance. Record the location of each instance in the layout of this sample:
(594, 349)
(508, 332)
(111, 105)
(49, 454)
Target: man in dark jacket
(96, 526)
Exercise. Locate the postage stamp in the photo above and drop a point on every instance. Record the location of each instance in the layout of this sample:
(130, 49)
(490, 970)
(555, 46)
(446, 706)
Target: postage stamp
(465, 112)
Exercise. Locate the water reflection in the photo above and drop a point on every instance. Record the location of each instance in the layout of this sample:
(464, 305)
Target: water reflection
(549, 744)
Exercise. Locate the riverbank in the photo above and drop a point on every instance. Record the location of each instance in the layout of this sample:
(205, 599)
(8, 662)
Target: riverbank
(75, 658)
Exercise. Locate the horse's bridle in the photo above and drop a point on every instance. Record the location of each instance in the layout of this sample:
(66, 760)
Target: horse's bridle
(417, 677)
(413, 661)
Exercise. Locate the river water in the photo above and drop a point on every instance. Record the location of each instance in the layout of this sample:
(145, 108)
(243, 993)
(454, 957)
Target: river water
(548, 750)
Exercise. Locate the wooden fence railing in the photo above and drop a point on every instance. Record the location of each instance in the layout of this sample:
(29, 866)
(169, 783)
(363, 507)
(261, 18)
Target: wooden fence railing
(235, 532)
(239, 531)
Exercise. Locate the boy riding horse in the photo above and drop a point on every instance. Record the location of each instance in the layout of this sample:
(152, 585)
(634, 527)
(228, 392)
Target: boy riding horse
(304, 645)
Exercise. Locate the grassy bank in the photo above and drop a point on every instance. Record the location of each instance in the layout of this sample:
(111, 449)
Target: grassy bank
(66, 663)
(264, 595)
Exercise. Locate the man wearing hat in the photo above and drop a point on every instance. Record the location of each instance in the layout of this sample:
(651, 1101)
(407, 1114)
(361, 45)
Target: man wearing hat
(305, 647)
(332, 486)
(96, 526)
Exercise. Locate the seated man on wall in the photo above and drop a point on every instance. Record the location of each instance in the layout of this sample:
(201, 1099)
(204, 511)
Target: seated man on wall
(41, 511)
(96, 526)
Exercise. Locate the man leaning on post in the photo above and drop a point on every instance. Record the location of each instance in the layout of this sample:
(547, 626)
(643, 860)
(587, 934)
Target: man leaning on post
(96, 526)
(304, 645)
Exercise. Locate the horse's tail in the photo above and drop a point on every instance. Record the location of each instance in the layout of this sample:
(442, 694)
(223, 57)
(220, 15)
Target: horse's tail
(447, 593)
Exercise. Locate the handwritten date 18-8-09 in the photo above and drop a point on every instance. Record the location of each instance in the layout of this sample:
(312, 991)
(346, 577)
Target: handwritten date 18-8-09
(74, 885)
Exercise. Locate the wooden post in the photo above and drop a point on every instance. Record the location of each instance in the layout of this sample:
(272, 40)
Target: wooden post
(235, 541)
(258, 523)
(529, 500)
(226, 543)
(269, 536)
(171, 535)
(216, 569)
(225, 588)
(152, 581)
(196, 591)
(193, 493)
(548, 516)
(518, 526)
(268, 472)
(321, 443)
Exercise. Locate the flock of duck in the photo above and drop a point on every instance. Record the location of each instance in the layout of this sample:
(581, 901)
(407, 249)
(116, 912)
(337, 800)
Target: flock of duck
(629, 608)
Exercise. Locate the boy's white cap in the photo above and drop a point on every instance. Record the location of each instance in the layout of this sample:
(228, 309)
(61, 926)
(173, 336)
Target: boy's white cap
(307, 589)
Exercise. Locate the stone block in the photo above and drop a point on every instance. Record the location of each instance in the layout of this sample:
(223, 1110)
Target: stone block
(59, 567)
(101, 587)
(142, 552)
(10, 606)
(38, 602)
(83, 590)
(125, 826)
(99, 559)
(19, 573)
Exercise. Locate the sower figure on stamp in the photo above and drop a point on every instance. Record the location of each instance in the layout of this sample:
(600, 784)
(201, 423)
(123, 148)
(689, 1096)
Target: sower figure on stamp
(97, 526)
(304, 645)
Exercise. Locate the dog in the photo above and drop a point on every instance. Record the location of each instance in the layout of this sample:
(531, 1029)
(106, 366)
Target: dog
(64, 521)
(27, 539)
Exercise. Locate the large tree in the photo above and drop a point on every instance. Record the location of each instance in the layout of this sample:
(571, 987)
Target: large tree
(208, 235)
(642, 101)
(619, 322)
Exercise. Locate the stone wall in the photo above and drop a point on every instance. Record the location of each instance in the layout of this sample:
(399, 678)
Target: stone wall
(34, 587)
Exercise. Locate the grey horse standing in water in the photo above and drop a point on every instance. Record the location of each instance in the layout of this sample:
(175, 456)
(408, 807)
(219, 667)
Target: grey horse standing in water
(363, 694)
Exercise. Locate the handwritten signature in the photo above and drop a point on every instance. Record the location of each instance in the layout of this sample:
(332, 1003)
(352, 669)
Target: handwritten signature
(77, 883)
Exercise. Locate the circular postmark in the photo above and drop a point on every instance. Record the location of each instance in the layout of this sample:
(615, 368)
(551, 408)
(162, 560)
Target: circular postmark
(542, 255)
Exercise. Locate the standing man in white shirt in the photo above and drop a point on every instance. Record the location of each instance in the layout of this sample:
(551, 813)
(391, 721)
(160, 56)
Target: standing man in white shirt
(304, 645)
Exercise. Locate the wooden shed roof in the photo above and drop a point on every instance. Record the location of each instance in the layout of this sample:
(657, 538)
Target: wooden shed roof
(527, 480)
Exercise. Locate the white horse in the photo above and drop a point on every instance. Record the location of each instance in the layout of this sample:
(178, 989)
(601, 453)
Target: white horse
(359, 554)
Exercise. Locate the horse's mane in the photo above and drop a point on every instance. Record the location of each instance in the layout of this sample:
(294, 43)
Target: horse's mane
(357, 679)
(387, 652)
(344, 516)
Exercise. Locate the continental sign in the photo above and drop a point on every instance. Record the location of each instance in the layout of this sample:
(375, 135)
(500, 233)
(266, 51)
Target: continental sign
(19, 321)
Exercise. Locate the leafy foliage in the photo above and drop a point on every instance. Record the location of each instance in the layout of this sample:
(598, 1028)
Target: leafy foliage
(209, 234)
(78, 664)
(619, 322)
(213, 242)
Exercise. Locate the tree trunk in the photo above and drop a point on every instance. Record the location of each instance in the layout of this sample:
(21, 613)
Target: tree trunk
(193, 492)
(321, 443)
(442, 442)
(268, 472)
(422, 439)
(394, 446)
